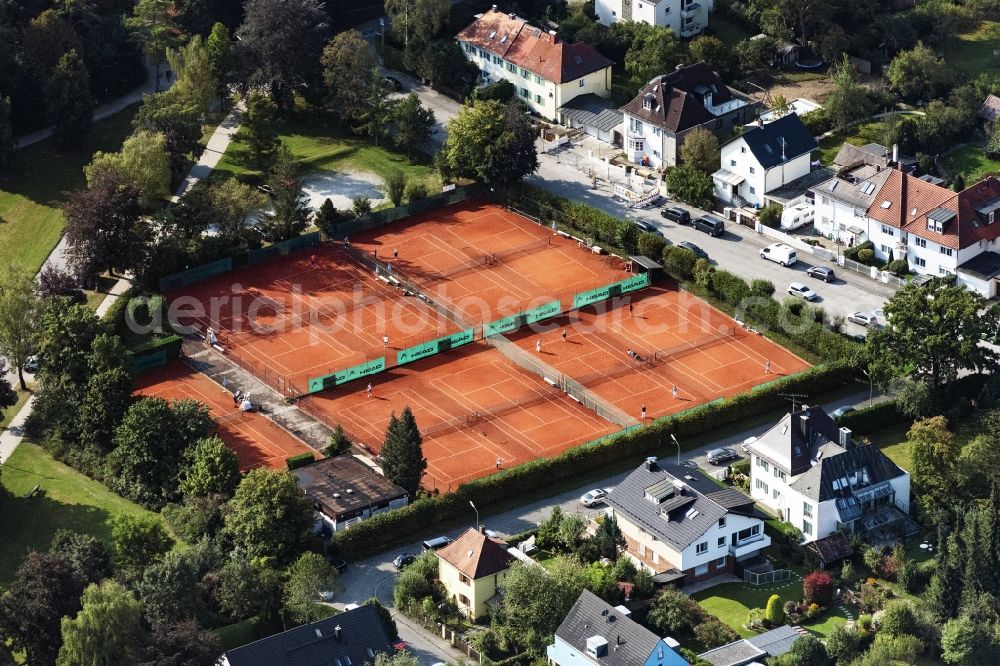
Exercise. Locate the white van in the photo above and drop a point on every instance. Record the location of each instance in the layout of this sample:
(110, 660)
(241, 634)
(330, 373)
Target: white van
(779, 253)
(797, 216)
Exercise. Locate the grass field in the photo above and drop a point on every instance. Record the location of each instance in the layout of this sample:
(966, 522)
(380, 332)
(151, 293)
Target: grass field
(732, 602)
(857, 135)
(235, 635)
(30, 219)
(972, 52)
(320, 144)
(69, 500)
(8, 414)
(892, 440)
(970, 161)
(730, 33)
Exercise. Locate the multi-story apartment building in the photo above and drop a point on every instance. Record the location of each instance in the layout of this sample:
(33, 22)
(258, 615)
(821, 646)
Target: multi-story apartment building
(686, 18)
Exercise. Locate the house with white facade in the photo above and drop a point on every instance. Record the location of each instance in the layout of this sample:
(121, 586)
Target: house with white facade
(680, 525)
(671, 106)
(762, 159)
(686, 18)
(595, 633)
(809, 471)
(938, 232)
(546, 71)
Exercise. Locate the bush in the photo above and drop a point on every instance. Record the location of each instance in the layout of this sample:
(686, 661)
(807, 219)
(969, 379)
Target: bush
(898, 267)
(762, 287)
(865, 622)
(770, 215)
(774, 613)
(651, 245)
(415, 191)
(300, 460)
(730, 288)
(817, 588)
(867, 256)
(712, 633)
(868, 420)
(679, 262)
(852, 252)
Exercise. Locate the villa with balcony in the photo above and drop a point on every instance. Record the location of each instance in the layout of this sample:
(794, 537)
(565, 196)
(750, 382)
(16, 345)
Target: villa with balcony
(682, 527)
(809, 471)
(686, 18)
(671, 106)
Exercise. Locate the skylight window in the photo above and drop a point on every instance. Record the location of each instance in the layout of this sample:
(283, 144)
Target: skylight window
(886, 204)
(493, 34)
(691, 513)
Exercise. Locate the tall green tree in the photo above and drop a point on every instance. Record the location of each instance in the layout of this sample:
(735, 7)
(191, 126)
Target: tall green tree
(107, 630)
(920, 338)
(177, 119)
(291, 212)
(220, 59)
(195, 76)
(68, 101)
(402, 454)
(47, 38)
(691, 186)
(212, 469)
(347, 73)
(655, 50)
(233, 205)
(935, 466)
(413, 124)
(609, 538)
(848, 100)
(308, 577)
(249, 587)
(143, 162)
(376, 112)
(492, 143)
(19, 304)
(965, 642)
(944, 594)
(87, 555)
(151, 23)
(700, 151)
(7, 143)
(536, 601)
(919, 73)
(137, 542)
(168, 590)
(257, 130)
(269, 516)
(105, 400)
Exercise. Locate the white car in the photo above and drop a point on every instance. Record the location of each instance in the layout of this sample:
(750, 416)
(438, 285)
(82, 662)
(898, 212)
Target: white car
(745, 446)
(863, 318)
(779, 253)
(592, 497)
(802, 291)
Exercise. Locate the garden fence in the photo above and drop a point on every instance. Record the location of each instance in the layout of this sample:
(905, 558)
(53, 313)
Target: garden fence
(768, 577)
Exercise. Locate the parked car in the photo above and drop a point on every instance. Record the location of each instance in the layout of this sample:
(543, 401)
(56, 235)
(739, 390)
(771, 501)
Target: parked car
(719, 456)
(745, 446)
(31, 365)
(647, 227)
(436, 543)
(403, 560)
(863, 318)
(802, 291)
(678, 215)
(840, 411)
(337, 563)
(779, 253)
(694, 248)
(592, 497)
(711, 225)
(822, 273)
(393, 83)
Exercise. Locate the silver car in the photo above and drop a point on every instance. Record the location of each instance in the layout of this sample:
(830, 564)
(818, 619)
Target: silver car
(592, 497)
(802, 291)
(863, 318)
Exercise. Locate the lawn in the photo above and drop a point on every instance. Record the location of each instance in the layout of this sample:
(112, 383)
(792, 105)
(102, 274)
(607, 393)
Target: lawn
(972, 52)
(7, 415)
(69, 500)
(858, 135)
(30, 219)
(970, 161)
(318, 143)
(892, 440)
(730, 33)
(235, 635)
(732, 602)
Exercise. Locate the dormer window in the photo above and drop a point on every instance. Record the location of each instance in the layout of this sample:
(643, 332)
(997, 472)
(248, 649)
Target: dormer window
(647, 102)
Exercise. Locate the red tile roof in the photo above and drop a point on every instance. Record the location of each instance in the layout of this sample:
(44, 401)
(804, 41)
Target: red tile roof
(537, 51)
(476, 555)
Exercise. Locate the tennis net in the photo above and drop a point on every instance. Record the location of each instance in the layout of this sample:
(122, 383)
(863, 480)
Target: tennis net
(691, 346)
(492, 258)
(487, 414)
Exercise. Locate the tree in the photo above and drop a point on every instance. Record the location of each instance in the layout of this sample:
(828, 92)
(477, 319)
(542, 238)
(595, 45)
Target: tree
(609, 538)
(361, 206)
(700, 151)
(168, 590)
(770, 215)
(309, 577)
(650, 244)
(403, 460)
(7, 143)
(848, 100)
(757, 53)
(968, 643)
(107, 629)
(257, 130)
(399, 13)
(536, 600)
(233, 205)
(44, 589)
(53, 281)
(177, 119)
(102, 227)
(376, 111)
(68, 101)
(492, 143)
(773, 612)
(674, 612)
(151, 444)
(347, 72)
(413, 124)
(655, 50)
(212, 469)
(338, 442)
(280, 43)
(8, 398)
(143, 162)
(403, 658)
(919, 73)
(394, 185)
(196, 82)
(712, 633)
(691, 186)
(817, 588)
(180, 644)
(19, 304)
(151, 24)
(248, 587)
(47, 38)
(935, 465)
(269, 516)
(137, 542)
(715, 52)
(220, 58)
(291, 214)
(920, 338)
(89, 558)
(805, 651)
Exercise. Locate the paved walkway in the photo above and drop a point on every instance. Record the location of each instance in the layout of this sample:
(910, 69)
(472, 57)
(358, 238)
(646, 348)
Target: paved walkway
(14, 433)
(214, 150)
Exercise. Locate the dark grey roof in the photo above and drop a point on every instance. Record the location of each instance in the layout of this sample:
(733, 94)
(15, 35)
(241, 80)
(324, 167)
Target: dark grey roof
(628, 642)
(342, 486)
(777, 641)
(791, 191)
(682, 517)
(593, 111)
(794, 442)
(779, 141)
(361, 637)
(769, 644)
(831, 548)
(817, 483)
(873, 154)
(985, 266)
(857, 187)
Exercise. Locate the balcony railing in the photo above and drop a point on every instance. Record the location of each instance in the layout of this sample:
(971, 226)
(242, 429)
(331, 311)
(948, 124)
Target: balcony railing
(690, 30)
(690, 10)
(751, 545)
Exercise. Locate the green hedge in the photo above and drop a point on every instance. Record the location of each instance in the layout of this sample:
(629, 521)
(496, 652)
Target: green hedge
(870, 419)
(405, 524)
(299, 460)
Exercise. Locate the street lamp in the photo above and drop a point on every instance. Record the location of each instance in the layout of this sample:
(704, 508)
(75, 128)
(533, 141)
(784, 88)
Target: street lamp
(477, 514)
(678, 448)
(871, 384)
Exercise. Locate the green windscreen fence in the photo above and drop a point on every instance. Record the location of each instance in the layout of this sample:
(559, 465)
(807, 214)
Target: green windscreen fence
(417, 352)
(387, 215)
(584, 298)
(348, 374)
(196, 274)
(147, 361)
(516, 321)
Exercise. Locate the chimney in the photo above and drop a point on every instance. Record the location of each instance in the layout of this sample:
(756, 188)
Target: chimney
(482, 529)
(895, 153)
(804, 425)
(678, 67)
(494, 7)
(650, 463)
(555, 37)
(618, 640)
(845, 438)
(336, 632)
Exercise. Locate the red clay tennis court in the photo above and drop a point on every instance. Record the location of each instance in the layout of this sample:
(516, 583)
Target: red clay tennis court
(487, 262)
(306, 315)
(472, 406)
(254, 438)
(678, 340)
